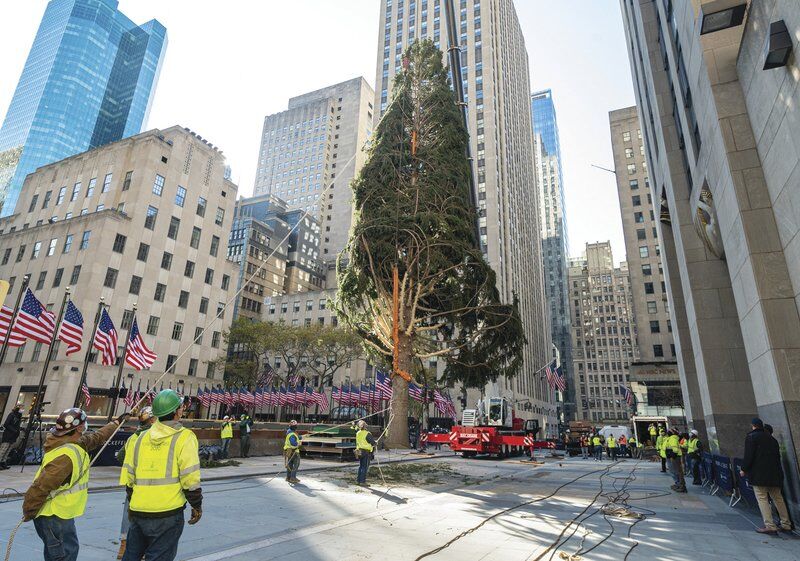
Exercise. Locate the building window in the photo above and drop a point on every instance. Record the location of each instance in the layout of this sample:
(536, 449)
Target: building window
(158, 185)
(644, 252)
(119, 243)
(166, 261)
(214, 246)
(192, 367)
(203, 305)
(47, 197)
(183, 299)
(180, 196)
(136, 284)
(296, 306)
(641, 234)
(6, 256)
(188, 270)
(658, 350)
(226, 282)
(106, 183)
(57, 278)
(171, 359)
(209, 276)
(76, 273)
(215, 339)
(111, 278)
(634, 183)
(629, 152)
(647, 270)
(648, 288)
(172, 231)
(195, 240)
(220, 309)
(638, 217)
(201, 206)
(90, 187)
(161, 291)
(126, 183)
(323, 302)
(21, 252)
(143, 252)
(626, 136)
(40, 281)
(152, 325)
(127, 319)
(177, 331)
(150, 219)
(220, 217)
(37, 249)
(636, 200)
(61, 194)
(631, 169)
(51, 249)
(198, 336)
(76, 190)
(655, 327)
(652, 308)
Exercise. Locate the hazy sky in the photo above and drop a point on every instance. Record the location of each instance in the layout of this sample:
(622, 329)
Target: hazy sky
(230, 63)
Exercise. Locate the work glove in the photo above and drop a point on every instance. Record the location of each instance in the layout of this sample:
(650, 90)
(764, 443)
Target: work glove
(197, 514)
(122, 418)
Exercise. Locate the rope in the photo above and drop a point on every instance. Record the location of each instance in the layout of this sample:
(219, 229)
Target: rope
(11, 538)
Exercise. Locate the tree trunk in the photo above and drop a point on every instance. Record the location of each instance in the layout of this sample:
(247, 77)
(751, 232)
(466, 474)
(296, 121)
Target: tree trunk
(397, 435)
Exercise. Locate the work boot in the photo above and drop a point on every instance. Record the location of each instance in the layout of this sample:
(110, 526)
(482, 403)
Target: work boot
(294, 480)
(122, 545)
(767, 531)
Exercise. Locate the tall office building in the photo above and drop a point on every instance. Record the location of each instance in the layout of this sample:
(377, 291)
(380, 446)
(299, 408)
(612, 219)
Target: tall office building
(496, 80)
(555, 242)
(89, 80)
(317, 143)
(716, 90)
(603, 334)
(140, 222)
(654, 375)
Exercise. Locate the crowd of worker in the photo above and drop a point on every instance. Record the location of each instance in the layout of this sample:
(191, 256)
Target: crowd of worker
(160, 473)
(620, 446)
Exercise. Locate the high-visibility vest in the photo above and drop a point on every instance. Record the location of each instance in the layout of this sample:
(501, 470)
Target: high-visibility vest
(227, 430)
(361, 440)
(69, 500)
(287, 445)
(652, 430)
(596, 441)
(674, 444)
(660, 445)
(611, 442)
(123, 474)
(693, 445)
(622, 440)
(156, 474)
(632, 442)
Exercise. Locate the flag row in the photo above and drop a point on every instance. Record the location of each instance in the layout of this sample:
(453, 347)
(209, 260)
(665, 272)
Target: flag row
(260, 397)
(36, 323)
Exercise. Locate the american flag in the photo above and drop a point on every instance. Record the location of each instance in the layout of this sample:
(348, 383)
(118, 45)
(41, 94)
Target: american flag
(415, 392)
(550, 372)
(266, 376)
(203, 396)
(14, 340)
(138, 355)
(384, 385)
(130, 397)
(87, 397)
(336, 394)
(627, 394)
(71, 329)
(439, 402)
(322, 400)
(560, 381)
(282, 399)
(344, 395)
(34, 321)
(105, 339)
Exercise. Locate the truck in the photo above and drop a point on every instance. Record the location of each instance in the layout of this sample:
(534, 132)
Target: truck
(641, 425)
(576, 430)
(492, 429)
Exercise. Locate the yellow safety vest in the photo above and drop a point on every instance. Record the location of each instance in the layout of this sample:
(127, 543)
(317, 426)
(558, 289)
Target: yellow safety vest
(361, 440)
(611, 442)
(660, 445)
(69, 500)
(693, 442)
(287, 445)
(123, 474)
(652, 431)
(160, 471)
(227, 430)
(596, 441)
(632, 442)
(674, 443)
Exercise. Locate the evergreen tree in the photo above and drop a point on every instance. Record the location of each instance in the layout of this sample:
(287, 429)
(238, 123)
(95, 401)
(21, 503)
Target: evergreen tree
(414, 222)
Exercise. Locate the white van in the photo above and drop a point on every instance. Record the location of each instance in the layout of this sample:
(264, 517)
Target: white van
(616, 430)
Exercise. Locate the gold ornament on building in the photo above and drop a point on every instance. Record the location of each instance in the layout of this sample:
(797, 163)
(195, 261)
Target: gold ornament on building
(706, 223)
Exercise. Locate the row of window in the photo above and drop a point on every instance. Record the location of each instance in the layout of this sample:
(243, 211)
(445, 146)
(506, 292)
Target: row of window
(188, 271)
(76, 191)
(36, 248)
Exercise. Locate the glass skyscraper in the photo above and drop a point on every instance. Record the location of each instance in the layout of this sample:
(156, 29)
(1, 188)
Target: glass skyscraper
(89, 80)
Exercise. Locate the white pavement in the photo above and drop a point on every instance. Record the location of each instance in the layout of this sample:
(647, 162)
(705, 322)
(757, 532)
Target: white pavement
(327, 518)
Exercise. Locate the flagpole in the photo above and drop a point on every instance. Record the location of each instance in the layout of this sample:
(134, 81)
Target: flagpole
(3, 350)
(78, 393)
(36, 411)
(121, 367)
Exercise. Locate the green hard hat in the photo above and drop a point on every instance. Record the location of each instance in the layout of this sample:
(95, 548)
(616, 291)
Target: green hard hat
(166, 402)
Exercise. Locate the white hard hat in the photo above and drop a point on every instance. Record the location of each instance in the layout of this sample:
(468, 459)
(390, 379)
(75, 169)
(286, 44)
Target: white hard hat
(694, 432)
(361, 424)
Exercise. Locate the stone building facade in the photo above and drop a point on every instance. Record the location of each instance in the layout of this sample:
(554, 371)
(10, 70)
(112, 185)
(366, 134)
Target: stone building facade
(722, 140)
(142, 221)
(603, 334)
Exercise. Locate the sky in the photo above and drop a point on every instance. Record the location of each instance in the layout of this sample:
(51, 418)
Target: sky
(226, 68)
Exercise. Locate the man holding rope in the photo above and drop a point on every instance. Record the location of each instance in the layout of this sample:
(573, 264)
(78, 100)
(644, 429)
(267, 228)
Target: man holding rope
(291, 452)
(60, 490)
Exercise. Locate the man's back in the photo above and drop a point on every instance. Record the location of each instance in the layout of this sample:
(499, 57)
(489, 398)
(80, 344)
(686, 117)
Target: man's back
(762, 459)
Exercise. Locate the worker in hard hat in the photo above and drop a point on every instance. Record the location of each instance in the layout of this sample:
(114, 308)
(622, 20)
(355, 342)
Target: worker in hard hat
(291, 452)
(162, 474)
(695, 451)
(146, 420)
(365, 447)
(661, 449)
(60, 490)
(226, 434)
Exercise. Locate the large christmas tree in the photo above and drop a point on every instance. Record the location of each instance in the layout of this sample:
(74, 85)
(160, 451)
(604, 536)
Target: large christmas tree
(413, 281)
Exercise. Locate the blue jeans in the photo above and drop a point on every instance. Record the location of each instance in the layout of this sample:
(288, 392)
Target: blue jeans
(245, 444)
(157, 538)
(292, 464)
(126, 523)
(694, 468)
(226, 442)
(363, 466)
(59, 537)
(598, 452)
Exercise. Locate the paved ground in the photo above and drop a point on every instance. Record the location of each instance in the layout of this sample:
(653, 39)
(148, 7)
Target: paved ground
(433, 501)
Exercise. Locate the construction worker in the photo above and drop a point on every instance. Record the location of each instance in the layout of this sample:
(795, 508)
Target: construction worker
(694, 450)
(598, 447)
(623, 445)
(675, 454)
(245, 427)
(146, 420)
(365, 446)
(59, 492)
(162, 474)
(653, 432)
(291, 452)
(226, 434)
(611, 442)
(661, 451)
(633, 446)
(584, 442)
